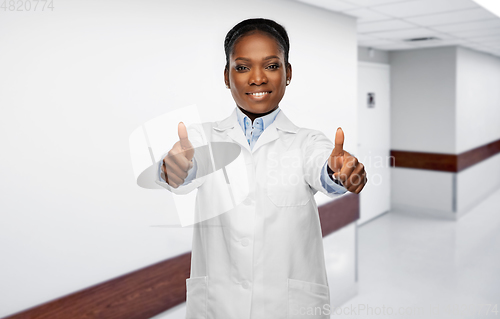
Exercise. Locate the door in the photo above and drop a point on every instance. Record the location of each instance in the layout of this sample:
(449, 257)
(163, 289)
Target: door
(374, 138)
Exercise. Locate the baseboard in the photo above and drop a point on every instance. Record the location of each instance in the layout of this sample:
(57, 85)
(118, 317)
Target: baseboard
(399, 208)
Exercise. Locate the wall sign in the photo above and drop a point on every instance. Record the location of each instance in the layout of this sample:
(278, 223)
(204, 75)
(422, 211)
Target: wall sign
(371, 100)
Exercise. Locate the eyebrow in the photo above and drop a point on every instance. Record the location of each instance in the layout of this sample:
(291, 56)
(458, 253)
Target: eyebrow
(266, 58)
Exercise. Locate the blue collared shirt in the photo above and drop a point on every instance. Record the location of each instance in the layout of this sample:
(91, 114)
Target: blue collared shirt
(254, 130)
(252, 133)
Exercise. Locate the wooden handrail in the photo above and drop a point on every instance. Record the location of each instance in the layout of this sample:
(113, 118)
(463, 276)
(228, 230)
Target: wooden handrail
(444, 162)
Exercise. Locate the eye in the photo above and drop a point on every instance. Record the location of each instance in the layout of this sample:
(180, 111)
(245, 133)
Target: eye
(274, 66)
(240, 67)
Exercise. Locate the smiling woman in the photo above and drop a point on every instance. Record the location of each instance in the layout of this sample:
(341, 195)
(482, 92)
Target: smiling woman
(263, 257)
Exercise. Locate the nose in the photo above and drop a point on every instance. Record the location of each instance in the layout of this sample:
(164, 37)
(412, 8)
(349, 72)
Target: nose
(257, 77)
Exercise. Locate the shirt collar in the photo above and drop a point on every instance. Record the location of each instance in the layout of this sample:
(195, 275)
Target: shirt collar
(282, 123)
(262, 122)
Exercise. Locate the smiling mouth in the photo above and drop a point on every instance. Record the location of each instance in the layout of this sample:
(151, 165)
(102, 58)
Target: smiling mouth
(259, 93)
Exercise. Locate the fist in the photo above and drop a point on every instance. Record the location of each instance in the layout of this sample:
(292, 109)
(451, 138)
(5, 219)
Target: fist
(179, 159)
(346, 167)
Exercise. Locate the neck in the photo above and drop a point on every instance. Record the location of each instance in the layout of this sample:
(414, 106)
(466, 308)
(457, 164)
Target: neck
(253, 116)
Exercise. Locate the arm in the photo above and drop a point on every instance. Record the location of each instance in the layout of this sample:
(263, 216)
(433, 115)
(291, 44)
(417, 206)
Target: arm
(316, 154)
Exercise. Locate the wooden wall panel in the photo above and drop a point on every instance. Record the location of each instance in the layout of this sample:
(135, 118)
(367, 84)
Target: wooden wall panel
(339, 213)
(477, 155)
(444, 162)
(430, 161)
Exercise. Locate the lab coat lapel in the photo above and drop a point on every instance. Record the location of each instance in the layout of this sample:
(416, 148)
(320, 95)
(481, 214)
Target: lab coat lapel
(233, 130)
(237, 135)
(271, 132)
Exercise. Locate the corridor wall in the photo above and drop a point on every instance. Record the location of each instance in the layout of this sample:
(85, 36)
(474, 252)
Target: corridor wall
(445, 107)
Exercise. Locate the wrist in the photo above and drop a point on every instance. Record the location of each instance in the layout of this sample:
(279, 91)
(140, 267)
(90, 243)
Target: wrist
(330, 171)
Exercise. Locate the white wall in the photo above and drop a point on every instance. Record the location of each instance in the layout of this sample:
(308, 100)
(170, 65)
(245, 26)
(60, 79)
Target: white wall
(478, 99)
(423, 100)
(420, 191)
(478, 123)
(77, 81)
(476, 183)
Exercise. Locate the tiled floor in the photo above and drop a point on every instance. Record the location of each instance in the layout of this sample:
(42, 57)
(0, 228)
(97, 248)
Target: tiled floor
(423, 268)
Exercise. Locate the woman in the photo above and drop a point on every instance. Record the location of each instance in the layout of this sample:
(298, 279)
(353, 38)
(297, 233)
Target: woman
(264, 258)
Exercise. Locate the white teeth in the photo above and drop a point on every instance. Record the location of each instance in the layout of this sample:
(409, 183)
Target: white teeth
(259, 94)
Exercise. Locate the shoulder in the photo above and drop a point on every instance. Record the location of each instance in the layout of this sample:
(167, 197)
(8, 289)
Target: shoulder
(310, 134)
(313, 138)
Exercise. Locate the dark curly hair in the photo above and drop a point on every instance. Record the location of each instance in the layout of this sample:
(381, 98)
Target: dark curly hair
(275, 30)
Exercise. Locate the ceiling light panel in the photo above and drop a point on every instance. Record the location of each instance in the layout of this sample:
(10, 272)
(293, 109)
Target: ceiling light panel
(467, 26)
(409, 34)
(488, 40)
(477, 33)
(393, 24)
(366, 15)
(452, 17)
(479, 47)
(372, 3)
(424, 7)
(333, 5)
(438, 43)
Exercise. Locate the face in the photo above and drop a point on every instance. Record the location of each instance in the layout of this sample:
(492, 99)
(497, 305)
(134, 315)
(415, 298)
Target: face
(257, 65)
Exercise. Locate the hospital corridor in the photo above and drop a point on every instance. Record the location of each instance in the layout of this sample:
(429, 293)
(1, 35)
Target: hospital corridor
(197, 159)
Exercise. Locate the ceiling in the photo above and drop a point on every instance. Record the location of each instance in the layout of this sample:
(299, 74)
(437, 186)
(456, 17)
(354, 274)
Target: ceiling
(386, 24)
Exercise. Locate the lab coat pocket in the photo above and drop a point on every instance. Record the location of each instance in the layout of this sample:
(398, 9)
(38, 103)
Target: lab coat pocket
(308, 300)
(288, 197)
(196, 301)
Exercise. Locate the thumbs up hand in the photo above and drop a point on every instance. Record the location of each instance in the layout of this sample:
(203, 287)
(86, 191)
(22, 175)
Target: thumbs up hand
(178, 161)
(346, 167)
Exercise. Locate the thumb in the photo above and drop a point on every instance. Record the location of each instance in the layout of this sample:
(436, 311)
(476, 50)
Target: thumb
(184, 141)
(183, 135)
(336, 159)
(339, 143)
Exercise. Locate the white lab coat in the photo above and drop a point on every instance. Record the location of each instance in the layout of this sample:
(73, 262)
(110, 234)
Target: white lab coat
(264, 258)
